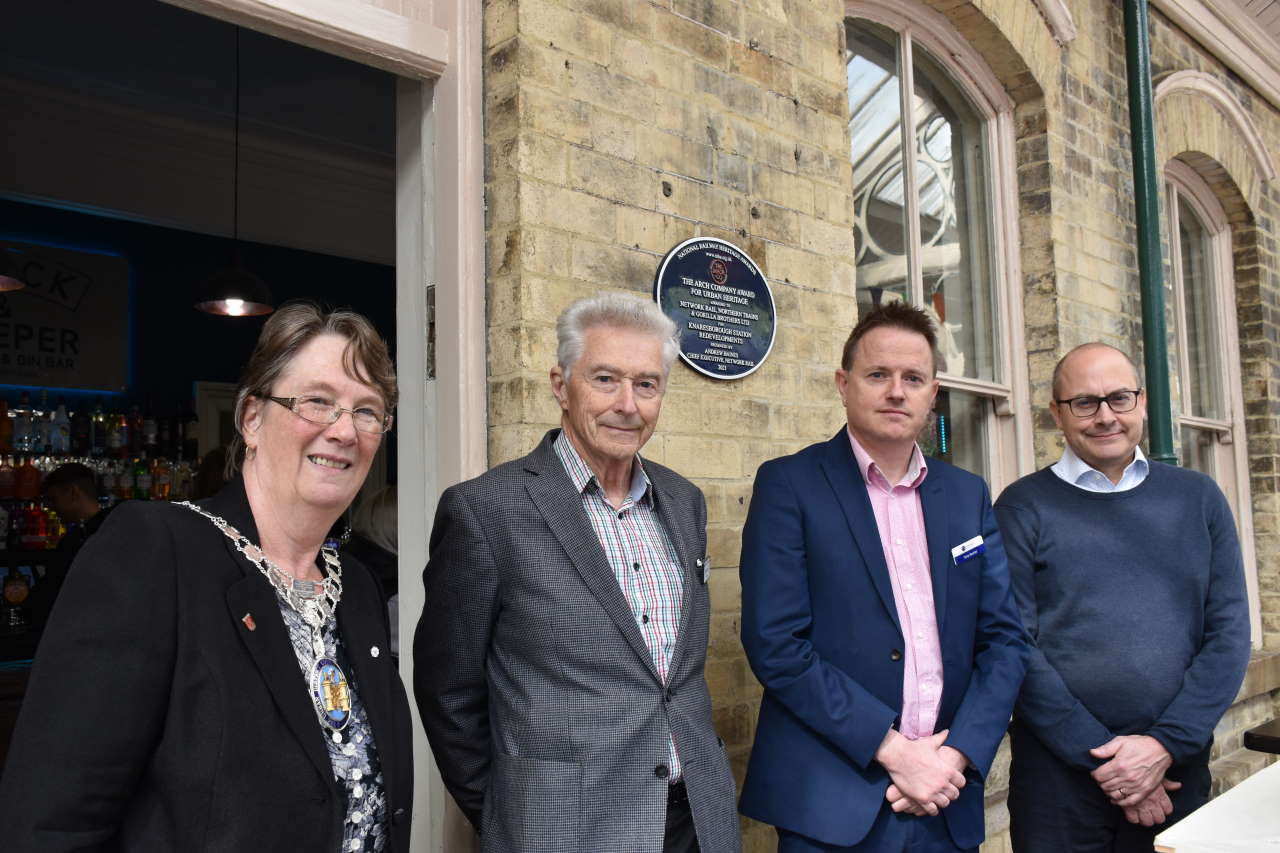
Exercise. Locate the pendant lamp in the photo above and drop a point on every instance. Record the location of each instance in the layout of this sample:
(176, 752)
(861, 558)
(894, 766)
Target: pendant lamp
(235, 292)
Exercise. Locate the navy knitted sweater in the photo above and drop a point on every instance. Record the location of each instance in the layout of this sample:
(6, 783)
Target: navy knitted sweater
(1135, 603)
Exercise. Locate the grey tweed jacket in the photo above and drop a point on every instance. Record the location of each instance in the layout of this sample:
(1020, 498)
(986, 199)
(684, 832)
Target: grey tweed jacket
(539, 697)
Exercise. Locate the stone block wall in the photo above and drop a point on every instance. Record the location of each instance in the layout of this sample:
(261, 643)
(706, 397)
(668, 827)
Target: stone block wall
(614, 130)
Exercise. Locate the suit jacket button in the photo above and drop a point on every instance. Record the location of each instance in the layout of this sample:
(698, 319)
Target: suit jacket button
(399, 816)
(895, 655)
(661, 771)
(666, 696)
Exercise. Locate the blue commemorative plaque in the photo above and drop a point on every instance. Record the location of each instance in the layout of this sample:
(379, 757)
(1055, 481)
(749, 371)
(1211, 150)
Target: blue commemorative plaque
(721, 303)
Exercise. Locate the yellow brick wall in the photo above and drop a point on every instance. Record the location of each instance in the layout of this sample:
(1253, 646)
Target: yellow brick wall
(614, 129)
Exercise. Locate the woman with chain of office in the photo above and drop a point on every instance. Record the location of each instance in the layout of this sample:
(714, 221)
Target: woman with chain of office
(213, 677)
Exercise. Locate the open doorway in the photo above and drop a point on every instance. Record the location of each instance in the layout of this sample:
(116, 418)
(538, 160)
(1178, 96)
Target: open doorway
(323, 232)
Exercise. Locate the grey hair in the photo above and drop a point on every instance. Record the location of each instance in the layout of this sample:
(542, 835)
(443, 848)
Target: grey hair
(620, 311)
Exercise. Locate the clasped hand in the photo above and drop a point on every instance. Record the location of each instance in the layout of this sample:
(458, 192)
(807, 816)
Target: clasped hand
(926, 774)
(1133, 778)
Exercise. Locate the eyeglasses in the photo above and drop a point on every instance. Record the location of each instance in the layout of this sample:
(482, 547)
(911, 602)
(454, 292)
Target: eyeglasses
(318, 410)
(1086, 405)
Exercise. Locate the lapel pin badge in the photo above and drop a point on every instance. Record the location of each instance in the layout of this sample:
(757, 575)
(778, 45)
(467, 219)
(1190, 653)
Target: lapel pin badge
(247, 619)
(375, 651)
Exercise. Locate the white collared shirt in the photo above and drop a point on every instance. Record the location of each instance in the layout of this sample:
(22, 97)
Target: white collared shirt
(1074, 470)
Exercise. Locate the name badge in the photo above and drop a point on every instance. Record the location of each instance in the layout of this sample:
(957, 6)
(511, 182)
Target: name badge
(968, 550)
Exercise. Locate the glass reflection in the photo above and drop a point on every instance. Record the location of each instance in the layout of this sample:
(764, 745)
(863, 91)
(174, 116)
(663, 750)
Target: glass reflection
(1203, 353)
(957, 432)
(1197, 450)
(875, 133)
(954, 221)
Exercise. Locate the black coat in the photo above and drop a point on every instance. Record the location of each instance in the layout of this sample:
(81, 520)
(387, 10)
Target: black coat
(157, 720)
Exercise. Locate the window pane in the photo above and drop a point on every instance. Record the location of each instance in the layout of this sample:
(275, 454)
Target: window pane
(875, 132)
(958, 431)
(1197, 450)
(959, 285)
(1204, 355)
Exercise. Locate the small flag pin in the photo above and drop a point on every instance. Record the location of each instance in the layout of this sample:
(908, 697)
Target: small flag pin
(247, 619)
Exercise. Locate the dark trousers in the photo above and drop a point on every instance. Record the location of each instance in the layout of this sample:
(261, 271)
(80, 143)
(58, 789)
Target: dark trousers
(891, 833)
(1054, 808)
(680, 836)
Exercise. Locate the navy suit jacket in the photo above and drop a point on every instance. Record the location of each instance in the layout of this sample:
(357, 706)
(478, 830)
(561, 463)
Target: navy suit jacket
(820, 628)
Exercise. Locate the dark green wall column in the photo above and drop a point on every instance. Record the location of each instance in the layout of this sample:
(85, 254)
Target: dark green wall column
(1146, 194)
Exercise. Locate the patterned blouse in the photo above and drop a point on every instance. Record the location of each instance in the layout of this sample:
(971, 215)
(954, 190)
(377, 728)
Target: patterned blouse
(352, 752)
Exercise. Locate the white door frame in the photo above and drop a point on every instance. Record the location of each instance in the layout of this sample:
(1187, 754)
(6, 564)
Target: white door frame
(442, 423)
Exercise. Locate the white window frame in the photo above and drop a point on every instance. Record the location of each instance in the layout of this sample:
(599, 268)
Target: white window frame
(1009, 446)
(1231, 450)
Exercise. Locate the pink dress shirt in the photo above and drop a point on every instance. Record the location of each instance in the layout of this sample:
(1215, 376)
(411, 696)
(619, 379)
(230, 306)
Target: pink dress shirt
(900, 520)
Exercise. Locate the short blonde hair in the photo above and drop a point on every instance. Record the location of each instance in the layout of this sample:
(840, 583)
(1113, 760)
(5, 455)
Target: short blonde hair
(292, 327)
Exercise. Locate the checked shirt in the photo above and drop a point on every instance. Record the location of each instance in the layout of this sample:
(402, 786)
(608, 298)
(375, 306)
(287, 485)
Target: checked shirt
(642, 557)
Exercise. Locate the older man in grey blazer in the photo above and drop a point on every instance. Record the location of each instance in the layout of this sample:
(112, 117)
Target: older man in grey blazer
(559, 659)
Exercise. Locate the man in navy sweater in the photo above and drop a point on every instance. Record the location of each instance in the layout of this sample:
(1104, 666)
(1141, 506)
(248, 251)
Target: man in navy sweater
(1129, 578)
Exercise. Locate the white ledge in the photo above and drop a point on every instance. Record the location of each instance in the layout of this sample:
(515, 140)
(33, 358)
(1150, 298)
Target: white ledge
(1207, 86)
(1061, 25)
(1234, 37)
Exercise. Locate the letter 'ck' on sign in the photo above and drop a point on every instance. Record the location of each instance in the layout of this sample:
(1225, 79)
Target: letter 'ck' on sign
(69, 327)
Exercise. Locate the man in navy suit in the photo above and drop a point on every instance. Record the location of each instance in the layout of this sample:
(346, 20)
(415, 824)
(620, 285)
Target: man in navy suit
(877, 613)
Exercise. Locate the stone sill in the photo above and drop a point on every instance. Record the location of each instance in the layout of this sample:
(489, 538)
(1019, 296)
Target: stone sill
(1263, 675)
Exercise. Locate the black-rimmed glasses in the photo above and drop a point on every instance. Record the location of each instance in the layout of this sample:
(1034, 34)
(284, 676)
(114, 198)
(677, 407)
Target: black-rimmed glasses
(320, 411)
(1086, 405)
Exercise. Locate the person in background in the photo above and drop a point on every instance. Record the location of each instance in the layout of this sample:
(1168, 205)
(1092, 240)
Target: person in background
(877, 614)
(70, 490)
(210, 477)
(213, 677)
(373, 542)
(1129, 577)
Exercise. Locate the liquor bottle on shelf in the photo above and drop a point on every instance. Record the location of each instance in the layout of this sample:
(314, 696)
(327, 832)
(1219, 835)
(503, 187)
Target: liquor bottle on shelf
(135, 431)
(182, 481)
(60, 429)
(161, 479)
(15, 591)
(56, 530)
(165, 438)
(6, 428)
(26, 480)
(142, 478)
(80, 445)
(42, 425)
(4, 527)
(97, 430)
(107, 484)
(35, 528)
(124, 480)
(8, 480)
(22, 424)
(150, 429)
(14, 533)
(117, 435)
